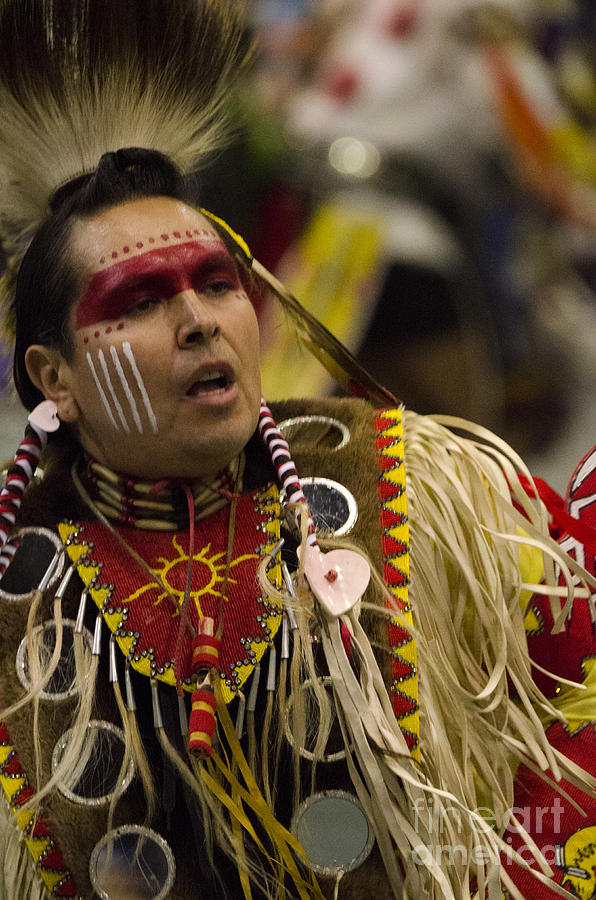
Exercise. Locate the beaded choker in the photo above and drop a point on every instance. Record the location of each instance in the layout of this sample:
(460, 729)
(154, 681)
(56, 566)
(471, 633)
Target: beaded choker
(161, 505)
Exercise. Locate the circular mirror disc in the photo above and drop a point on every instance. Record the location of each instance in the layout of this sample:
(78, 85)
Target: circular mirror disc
(334, 748)
(325, 431)
(38, 553)
(132, 863)
(334, 832)
(332, 506)
(99, 766)
(61, 683)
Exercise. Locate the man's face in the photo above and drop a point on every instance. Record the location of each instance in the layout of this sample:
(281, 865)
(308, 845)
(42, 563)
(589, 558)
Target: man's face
(165, 372)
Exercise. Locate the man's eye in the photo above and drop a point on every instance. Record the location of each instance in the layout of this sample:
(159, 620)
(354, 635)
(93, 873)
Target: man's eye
(218, 287)
(142, 306)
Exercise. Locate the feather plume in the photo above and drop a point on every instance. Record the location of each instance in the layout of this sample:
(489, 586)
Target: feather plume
(331, 353)
(79, 78)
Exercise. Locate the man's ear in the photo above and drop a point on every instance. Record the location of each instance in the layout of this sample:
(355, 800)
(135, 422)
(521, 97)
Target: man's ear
(50, 373)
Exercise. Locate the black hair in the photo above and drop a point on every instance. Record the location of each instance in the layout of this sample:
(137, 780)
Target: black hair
(47, 283)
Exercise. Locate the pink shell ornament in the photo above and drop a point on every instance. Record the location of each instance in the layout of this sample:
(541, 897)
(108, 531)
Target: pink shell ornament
(338, 578)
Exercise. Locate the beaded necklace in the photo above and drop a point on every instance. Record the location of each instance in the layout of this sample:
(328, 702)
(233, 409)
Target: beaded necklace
(161, 505)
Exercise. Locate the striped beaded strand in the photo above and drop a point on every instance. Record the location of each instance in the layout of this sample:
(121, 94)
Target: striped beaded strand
(288, 478)
(17, 479)
(21, 472)
(281, 458)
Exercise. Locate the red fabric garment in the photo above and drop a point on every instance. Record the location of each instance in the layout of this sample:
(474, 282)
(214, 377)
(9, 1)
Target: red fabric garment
(565, 654)
(566, 837)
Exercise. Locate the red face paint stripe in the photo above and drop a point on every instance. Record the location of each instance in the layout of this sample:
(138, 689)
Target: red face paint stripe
(164, 271)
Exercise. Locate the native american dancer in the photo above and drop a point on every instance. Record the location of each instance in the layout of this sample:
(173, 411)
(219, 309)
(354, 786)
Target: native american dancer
(326, 649)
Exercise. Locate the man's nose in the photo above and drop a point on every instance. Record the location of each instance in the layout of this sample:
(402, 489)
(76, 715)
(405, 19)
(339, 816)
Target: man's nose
(196, 319)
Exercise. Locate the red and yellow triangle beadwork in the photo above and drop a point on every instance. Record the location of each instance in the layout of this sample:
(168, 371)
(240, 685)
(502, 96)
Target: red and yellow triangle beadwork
(396, 572)
(138, 610)
(46, 854)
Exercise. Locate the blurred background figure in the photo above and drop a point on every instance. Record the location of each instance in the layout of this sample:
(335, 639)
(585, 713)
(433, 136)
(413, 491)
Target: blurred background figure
(421, 174)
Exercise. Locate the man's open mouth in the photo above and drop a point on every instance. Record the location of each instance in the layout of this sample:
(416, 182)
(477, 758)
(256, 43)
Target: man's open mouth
(213, 380)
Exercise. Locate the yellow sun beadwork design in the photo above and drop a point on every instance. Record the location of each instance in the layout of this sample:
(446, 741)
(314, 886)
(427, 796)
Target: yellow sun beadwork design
(145, 628)
(215, 566)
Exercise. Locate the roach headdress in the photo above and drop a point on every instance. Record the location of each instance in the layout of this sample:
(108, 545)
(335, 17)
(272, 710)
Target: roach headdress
(80, 78)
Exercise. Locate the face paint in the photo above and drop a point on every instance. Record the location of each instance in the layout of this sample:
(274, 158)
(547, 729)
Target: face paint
(102, 395)
(155, 275)
(127, 390)
(106, 373)
(196, 434)
(107, 391)
(141, 385)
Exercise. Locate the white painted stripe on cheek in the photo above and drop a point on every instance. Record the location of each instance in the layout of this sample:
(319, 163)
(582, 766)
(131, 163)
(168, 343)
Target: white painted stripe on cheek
(119, 409)
(127, 390)
(104, 399)
(141, 384)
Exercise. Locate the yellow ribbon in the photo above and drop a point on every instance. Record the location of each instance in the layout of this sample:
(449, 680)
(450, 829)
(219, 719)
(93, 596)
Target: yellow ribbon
(287, 846)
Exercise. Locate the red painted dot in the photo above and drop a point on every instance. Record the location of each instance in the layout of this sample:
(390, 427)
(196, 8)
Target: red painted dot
(165, 237)
(108, 330)
(102, 260)
(86, 340)
(120, 326)
(189, 234)
(331, 576)
(96, 334)
(197, 231)
(126, 249)
(114, 255)
(151, 240)
(176, 234)
(139, 244)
